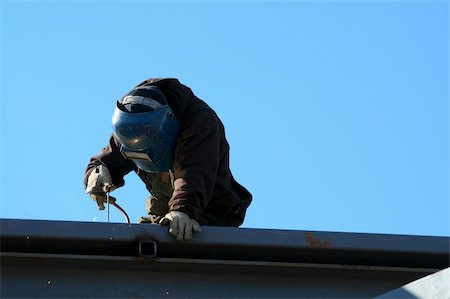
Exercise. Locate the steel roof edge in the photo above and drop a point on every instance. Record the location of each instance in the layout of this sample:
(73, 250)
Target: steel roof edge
(224, 243)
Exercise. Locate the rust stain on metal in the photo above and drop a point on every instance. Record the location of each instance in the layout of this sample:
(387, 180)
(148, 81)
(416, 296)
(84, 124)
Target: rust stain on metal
(317, 243)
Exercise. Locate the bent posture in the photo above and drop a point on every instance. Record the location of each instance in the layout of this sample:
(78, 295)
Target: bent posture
(176, 144)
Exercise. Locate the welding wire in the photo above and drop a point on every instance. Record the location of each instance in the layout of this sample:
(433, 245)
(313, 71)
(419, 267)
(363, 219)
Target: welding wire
(122, 210)
(107, 203)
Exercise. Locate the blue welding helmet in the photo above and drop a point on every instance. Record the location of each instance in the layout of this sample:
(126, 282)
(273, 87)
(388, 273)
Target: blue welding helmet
(147, 129)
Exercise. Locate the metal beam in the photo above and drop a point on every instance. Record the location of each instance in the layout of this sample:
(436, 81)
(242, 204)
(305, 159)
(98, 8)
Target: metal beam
(225, 243)
(79, 259)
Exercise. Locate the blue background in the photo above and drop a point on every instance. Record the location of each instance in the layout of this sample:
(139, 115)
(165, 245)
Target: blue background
(336, 111)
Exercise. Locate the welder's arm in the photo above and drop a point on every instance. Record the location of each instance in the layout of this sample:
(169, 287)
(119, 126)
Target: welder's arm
(197, 158)
(195, 170)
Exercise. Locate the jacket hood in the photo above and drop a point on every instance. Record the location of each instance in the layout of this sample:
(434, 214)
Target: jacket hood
(177, 94)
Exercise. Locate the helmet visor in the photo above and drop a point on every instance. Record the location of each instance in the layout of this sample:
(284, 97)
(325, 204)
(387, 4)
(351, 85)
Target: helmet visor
(136, 155)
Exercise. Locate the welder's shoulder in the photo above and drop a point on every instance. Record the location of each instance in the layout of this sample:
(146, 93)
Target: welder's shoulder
(200, 113)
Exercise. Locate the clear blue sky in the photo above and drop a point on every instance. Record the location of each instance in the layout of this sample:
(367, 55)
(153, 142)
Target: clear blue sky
(336, 111)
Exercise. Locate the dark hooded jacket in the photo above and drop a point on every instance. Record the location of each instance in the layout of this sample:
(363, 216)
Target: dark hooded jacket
(202, 185)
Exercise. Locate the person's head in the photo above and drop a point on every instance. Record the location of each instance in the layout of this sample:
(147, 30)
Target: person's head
(146, 128)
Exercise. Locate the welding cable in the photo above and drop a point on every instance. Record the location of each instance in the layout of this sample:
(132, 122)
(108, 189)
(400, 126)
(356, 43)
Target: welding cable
(122, 210)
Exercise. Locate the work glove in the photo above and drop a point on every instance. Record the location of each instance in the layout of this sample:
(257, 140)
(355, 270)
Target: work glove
(181, 226)
(98, 184)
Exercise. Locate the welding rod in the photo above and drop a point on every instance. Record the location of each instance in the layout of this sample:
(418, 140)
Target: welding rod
(107, 203)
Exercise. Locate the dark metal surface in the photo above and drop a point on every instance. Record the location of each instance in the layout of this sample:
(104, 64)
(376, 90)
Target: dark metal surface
(54, 259)
(65, 276)
(224, 243)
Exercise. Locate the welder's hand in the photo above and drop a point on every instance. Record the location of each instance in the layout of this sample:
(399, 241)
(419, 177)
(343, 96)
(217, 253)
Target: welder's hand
(101, 200)
(99, 182)
(181, 226)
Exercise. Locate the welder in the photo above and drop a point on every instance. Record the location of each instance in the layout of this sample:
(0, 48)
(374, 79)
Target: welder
(176, 144)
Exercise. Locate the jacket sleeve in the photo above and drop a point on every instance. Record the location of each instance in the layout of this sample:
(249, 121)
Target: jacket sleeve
(197, 157)
(111, 157)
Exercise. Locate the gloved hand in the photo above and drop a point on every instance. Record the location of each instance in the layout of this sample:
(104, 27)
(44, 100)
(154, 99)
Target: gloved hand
(99, 182)
(181, 226)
